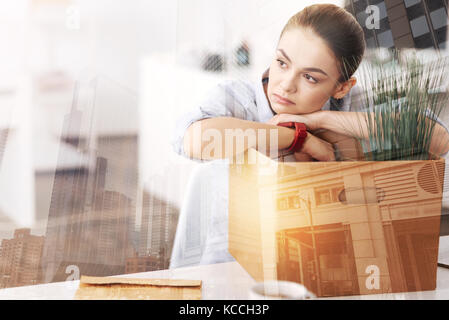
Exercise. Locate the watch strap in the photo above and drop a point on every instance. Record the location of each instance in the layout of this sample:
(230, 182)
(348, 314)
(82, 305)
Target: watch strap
(300, 135)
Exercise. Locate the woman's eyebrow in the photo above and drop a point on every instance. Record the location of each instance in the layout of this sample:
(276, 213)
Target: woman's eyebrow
(285, 55)
(315, 70)
(310, 69)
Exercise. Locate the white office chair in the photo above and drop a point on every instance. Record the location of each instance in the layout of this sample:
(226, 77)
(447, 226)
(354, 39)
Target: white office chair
(202, 232)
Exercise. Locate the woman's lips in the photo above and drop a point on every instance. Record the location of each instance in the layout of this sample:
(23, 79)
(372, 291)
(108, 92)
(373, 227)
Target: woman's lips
(281, 100)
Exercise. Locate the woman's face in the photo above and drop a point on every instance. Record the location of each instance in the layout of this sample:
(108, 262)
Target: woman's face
(304, 71)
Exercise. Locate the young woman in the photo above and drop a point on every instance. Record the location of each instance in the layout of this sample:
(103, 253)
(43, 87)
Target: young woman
(310, 81)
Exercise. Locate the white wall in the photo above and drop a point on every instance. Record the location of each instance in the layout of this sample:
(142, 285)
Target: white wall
(216, 25)
(110, 40)
(13, 25)
(17, 168)
(172, 83)
(167, 91)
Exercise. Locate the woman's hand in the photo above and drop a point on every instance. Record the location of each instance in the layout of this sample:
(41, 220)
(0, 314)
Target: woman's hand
(311, 120)
(303, 157)
(313, 147)
(317, 149)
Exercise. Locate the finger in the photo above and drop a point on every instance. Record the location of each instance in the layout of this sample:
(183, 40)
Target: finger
(331, 153)
(301, 156)
(324, 153)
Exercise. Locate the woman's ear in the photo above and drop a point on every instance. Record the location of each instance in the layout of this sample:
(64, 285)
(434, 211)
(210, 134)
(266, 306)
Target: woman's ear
(344, 88)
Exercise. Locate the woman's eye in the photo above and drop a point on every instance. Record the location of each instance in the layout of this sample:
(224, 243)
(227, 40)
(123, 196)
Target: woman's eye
(281, 63)
(310, 78)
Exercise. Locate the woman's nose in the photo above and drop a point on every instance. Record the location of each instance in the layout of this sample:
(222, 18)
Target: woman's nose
(288, 84)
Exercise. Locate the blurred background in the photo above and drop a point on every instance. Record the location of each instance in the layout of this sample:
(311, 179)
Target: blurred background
(89, 91)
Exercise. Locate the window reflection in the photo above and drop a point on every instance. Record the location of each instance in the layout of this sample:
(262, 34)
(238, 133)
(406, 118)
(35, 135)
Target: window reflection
(386, 39)
(409, 3)
(439, 18)
(419, 26)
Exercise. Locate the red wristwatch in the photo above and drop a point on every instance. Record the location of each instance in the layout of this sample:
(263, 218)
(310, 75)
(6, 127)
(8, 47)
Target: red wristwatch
(300, 134)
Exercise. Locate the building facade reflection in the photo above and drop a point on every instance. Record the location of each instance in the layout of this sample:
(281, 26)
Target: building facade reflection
(20, 259)
(91, 221)
(403, 23)
(341, 228)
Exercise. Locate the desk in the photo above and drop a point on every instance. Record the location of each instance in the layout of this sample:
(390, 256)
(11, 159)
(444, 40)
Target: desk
(227, 281)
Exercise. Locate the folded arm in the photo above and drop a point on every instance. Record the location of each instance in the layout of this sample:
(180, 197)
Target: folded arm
(356, 124)
(228, 137)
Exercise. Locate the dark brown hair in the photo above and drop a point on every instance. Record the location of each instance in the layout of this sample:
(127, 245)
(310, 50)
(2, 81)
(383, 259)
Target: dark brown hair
(339, 29)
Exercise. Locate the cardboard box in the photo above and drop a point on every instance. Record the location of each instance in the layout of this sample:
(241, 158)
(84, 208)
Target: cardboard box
(339, 228)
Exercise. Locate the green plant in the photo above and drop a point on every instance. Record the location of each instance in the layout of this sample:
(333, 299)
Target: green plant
(401, 100)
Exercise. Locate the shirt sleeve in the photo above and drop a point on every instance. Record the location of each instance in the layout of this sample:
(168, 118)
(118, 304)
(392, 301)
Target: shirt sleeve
(227, 99)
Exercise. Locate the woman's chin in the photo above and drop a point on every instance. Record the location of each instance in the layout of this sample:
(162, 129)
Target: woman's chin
(279, 108)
